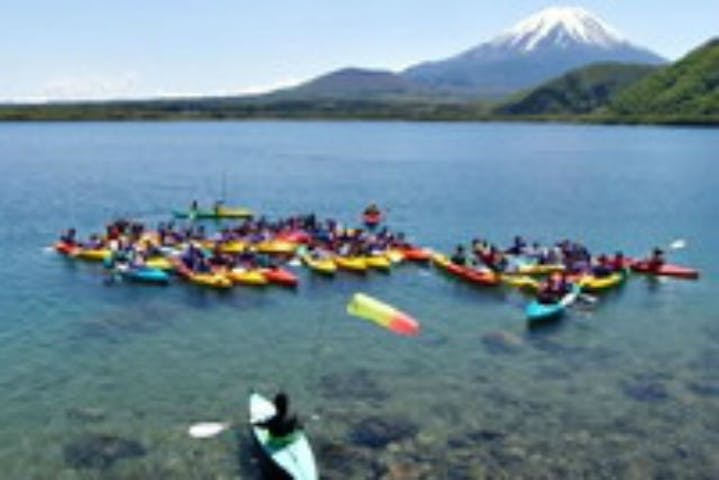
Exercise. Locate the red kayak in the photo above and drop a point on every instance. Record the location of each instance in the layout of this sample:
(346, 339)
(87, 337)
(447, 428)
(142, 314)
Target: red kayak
(416, 254)
(481, 277)
(665, 270)
(65, 248)
(280, 276)
(294, 236)
(372, 219)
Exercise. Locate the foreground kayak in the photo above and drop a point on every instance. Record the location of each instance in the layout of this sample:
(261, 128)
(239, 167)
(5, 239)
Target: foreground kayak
(291, 454)
(538, 312)
(473, 275)
(144, 275)
(66, 248)
(219, 213)
(590, 283)
(352, 264)
(215, 280)
(382, 314)
(323, 266)
(665, 270)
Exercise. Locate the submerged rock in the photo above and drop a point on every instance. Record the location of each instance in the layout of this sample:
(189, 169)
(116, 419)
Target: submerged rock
(345, 461)
(501, 341)
(100, 451)
(704, 388)
(378, 432)
(474, 438)
(646, 391)
(355, 384)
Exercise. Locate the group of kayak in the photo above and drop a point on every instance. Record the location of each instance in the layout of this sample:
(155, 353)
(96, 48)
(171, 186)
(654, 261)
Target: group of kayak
(556, 276)
(254, 252)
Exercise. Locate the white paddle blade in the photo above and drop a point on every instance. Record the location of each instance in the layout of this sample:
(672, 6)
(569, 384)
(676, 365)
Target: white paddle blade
(678, 244)
(207, 429)
(295, 262)
(49, 249)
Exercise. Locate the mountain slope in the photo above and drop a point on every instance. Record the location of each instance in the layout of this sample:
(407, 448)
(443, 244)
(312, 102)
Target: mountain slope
(688, 87)
(545, 45)
(353, 83)
(577, 92)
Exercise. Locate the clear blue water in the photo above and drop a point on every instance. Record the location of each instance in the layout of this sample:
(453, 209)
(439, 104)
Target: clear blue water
(628, 388)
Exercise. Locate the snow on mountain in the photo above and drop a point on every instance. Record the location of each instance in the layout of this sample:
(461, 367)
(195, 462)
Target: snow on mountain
(561, 26)
(545, 45)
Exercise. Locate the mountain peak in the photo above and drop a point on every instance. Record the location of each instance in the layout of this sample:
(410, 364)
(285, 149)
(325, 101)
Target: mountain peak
(559, 27)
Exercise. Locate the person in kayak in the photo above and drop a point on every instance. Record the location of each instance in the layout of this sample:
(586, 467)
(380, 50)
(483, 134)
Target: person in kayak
(656, 259)
(372, 209)
(517, 246)
(69, 237)
(459, 257)
(553, 289)
(280, 424)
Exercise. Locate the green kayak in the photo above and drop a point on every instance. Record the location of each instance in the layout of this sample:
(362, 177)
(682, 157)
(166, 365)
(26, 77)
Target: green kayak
(222, 212)
(292, 454)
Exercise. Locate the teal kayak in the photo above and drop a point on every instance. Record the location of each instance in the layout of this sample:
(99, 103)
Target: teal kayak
(144, 275)
(291, 454)
(538, 312)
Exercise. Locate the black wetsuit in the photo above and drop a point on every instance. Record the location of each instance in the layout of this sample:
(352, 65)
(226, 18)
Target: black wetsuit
(279, 425)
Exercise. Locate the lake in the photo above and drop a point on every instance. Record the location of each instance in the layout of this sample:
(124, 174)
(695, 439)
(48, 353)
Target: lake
(626, 388)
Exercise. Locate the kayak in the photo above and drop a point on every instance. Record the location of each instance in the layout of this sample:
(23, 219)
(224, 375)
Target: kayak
(276, 247)
(324, 266)
(542, 312)
(280, 276)
(417, 254)
(590, 283)
(212, 280)
(372, 219)
(92, 255)
(233, 247)
(473, 275)
(665, 270)
(394, 255)
(296, 236)
(378, 262)
(540, 269)
(384, 315)
(241, 276)
(160, 263)
(65, 248)
(352, 264)
(223, 212)
(144, 275)
(522, 282)
(292, 454)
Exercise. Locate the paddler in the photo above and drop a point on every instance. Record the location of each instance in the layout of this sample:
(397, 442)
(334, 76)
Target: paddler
(69, 237)
(459, 257)
(656, 259)
(280, 424)
(372, 209)
(517, 246)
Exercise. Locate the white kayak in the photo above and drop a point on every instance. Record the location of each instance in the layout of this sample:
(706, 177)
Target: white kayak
(292, 454)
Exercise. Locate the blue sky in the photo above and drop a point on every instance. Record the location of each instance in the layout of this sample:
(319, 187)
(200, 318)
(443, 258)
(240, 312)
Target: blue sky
(95, 49)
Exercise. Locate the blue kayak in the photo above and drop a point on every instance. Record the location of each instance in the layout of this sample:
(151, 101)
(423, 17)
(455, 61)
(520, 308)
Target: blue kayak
(145, 275)
(542, 312)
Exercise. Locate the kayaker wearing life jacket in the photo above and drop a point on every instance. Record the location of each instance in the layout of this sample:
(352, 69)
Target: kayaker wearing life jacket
(372, 209)
(280, 424)
(459, 257)
(517, 247)
(553, 289)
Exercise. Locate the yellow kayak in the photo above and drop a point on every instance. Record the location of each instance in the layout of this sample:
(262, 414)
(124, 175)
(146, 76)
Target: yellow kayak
(212, 280)
(233, 247)
(379, 262)
(241, 276)
(537, 269)
(276, 247)
(590, 283)
(522, 282)
(92, 255)
(160, 263)
(394, 255)
(353, 264)
(325, 266)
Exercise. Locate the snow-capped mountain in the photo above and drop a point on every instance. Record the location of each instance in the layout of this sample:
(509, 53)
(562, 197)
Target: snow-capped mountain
(544, 45)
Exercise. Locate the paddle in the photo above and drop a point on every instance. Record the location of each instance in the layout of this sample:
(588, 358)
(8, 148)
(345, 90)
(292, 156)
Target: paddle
(677, 244)
(208, 429)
